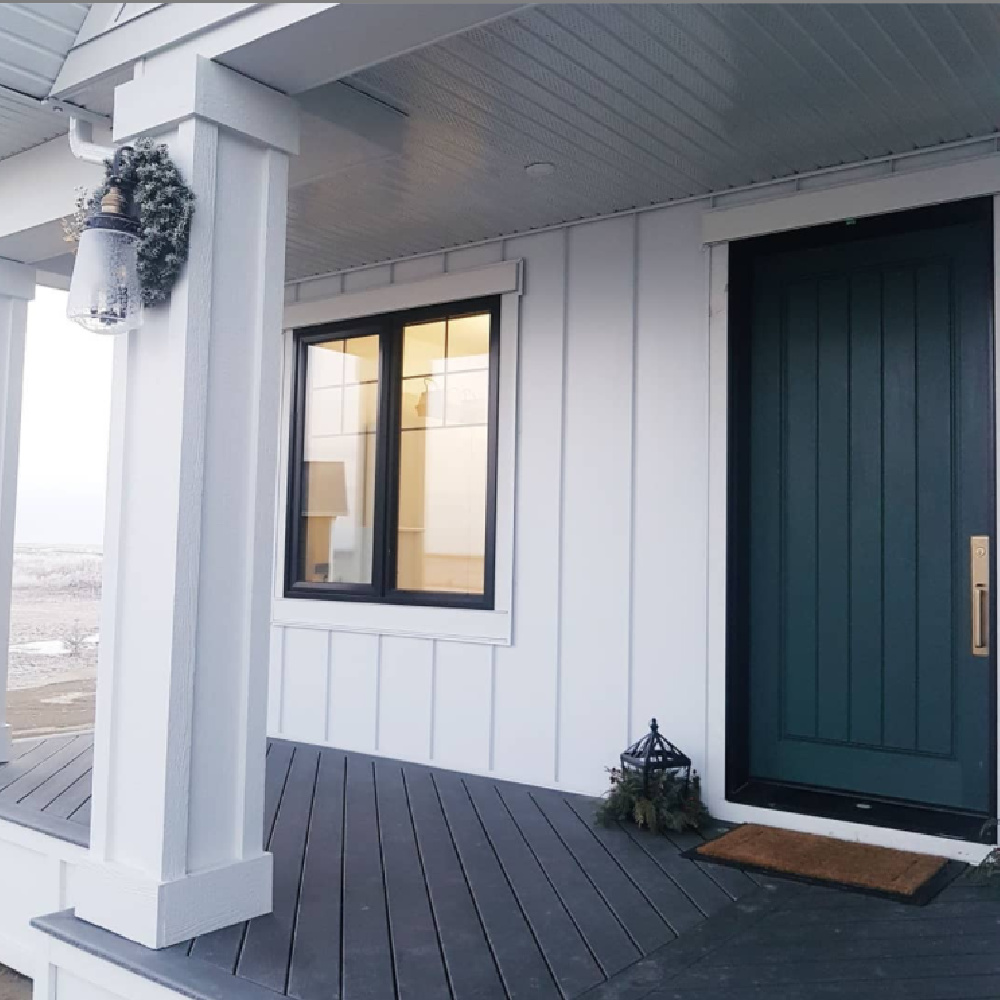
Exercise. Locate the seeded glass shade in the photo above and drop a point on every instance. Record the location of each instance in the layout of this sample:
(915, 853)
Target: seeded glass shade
(104, 292)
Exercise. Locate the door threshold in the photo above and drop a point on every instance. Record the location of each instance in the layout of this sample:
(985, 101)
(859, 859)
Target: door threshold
(867, 810)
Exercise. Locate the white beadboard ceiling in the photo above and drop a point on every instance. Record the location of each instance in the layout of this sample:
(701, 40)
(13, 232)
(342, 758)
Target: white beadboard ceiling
(34, 40)
(633, 104)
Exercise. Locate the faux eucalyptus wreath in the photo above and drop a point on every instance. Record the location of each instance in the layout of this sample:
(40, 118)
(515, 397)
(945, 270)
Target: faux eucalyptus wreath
(166, 205)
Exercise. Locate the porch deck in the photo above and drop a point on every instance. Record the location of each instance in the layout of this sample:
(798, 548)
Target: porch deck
(46, 786)
(400, 881)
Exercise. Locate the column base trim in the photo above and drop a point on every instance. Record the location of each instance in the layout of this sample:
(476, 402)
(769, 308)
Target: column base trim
(5, 743)
(160, 914)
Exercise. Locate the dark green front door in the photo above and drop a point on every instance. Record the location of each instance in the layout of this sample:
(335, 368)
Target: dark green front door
(870, 465)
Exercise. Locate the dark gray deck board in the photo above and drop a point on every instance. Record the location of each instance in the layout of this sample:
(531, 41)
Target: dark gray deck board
(367, 951)
(314, 971)
(59, 781)
(677, 909)
(645, 925)
(420, 972)
(267, 945)
(572, 963)
(522, 964)
(35, 758)
(44, 771)
(409, 883)
(604, 934)
(66, 805)
(467, 955)
(694, 882)
(82, 815)
(732, 881)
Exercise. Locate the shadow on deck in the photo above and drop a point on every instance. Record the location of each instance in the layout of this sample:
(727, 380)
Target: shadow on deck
(400, 881)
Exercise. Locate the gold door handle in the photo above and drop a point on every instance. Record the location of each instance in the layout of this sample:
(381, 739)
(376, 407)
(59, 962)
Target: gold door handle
(979, 573)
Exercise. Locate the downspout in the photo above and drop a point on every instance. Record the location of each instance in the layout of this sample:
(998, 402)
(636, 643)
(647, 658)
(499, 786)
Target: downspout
(81, 144)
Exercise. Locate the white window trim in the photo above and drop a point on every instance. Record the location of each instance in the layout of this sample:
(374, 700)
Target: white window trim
(459, 624)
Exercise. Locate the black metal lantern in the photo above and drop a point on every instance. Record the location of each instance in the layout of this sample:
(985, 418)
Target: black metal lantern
(655, 755)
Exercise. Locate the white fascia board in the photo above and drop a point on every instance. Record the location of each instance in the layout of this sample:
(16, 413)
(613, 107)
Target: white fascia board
(40, 185)
(308, 54)
(104, 17)
(111, 51)
(289, 47)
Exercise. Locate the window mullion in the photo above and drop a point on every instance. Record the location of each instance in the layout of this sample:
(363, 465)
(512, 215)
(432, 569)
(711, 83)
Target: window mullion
(382, 462)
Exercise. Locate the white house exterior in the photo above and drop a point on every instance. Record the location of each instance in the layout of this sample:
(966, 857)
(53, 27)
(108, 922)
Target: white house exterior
(604, 592)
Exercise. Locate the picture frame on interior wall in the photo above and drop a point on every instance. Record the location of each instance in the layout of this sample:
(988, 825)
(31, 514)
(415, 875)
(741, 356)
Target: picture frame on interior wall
(493, 626)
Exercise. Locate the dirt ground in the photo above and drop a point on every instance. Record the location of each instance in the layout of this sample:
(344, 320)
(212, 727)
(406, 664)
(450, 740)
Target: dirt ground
(55, 614)
(13, 986)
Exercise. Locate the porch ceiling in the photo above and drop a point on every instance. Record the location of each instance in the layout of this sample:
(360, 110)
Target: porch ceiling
(34, 40)
(633, 105)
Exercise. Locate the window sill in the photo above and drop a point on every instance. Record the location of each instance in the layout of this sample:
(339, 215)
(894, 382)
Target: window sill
(449, 624)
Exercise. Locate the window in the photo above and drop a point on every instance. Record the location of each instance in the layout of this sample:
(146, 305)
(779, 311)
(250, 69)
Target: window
(393, 472)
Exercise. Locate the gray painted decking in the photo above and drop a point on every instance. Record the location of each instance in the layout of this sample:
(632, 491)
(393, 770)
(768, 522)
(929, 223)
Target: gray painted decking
(400, 881)
(46, 786)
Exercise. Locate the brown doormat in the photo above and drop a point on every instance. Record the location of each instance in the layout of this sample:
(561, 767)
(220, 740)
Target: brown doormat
(880, 871)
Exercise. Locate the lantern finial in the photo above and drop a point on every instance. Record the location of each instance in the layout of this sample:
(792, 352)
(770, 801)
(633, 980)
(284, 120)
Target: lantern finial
(655, 755)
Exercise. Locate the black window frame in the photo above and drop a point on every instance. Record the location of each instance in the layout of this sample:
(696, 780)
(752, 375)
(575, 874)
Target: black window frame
(389, 328)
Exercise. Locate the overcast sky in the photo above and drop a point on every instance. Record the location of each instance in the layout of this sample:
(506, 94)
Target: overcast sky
(64, 428)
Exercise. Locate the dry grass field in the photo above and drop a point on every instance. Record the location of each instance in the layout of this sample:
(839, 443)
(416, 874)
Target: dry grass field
(53, 639)
(13, 986)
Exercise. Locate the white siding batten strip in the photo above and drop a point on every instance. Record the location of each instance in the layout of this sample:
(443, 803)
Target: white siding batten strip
(557, 762)
(633, 479)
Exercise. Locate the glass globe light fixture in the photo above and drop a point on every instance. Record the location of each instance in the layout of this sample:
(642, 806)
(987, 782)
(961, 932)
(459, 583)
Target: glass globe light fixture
(104, 292)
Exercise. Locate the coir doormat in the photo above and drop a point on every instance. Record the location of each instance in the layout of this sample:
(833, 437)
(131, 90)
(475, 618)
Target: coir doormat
(877, 871)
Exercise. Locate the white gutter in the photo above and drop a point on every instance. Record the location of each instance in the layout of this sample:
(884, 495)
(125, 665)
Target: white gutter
(82, 145)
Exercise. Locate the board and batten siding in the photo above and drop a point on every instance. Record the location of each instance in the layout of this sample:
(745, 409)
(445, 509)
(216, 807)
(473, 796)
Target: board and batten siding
(609, 614)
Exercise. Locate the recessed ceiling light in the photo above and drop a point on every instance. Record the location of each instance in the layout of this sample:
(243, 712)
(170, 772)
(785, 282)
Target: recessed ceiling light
(541, 169)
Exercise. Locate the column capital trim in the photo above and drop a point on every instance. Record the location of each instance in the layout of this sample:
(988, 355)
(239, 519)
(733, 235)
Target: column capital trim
(195, 87)
(17, 281)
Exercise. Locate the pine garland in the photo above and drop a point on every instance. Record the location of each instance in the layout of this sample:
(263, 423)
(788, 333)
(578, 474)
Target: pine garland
(166, 206)
(672, 805)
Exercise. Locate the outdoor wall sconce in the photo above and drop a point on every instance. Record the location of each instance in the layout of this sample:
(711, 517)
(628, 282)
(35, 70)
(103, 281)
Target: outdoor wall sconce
(104, 292)
(654, 755)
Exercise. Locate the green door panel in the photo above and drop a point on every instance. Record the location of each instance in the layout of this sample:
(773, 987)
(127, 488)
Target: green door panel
(870, 455)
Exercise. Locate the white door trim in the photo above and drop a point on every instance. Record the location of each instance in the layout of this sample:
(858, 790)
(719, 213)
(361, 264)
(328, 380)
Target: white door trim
(932, 186)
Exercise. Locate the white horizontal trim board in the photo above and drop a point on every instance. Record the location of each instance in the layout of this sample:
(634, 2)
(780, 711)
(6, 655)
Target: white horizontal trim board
(617, 608)
(894, 193)
(497, 279)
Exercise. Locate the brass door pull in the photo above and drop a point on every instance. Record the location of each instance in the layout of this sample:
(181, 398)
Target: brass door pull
(979, 573)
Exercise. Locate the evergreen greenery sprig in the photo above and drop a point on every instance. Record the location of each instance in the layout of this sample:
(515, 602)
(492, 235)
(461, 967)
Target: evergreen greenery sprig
(166, 206)
(671, 805)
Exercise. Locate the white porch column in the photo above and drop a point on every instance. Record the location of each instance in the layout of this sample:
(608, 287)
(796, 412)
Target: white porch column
(177, 809)
(17, 288)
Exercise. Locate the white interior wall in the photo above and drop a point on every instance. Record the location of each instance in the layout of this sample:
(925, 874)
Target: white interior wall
(609, 616)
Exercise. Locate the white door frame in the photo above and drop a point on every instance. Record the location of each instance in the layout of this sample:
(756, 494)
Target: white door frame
(893, 193)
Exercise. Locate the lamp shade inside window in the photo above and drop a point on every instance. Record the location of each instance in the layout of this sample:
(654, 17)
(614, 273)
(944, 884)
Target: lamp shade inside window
(104, 293)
